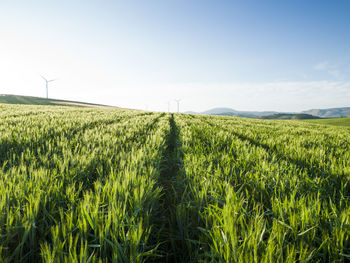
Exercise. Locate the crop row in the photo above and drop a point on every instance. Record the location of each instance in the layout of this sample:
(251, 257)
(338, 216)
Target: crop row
(263, 191)
(100, 185)
(71, 186)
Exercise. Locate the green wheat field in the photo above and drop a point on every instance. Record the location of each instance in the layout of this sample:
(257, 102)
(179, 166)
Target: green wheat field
(113, 185)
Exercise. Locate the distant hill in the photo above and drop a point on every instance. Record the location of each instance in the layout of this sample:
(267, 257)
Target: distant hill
(330, 113)
(286, 116)
(219, 111)
(321, 113)
(236, 113)
(16, 99)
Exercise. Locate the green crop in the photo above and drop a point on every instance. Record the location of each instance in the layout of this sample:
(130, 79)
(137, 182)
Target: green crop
(107, 185)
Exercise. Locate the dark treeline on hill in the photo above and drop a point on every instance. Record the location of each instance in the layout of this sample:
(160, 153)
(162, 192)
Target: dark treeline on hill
(287, 116)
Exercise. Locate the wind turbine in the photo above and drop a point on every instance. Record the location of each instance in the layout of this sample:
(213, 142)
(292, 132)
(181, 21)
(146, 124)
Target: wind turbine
(169, 101)
(47, 85)
(178, 105)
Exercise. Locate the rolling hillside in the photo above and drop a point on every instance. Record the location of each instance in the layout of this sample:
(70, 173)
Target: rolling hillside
(16, 99)
(336, 121)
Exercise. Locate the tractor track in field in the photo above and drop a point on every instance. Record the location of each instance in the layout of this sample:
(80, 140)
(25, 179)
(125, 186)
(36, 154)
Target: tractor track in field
(172, 183)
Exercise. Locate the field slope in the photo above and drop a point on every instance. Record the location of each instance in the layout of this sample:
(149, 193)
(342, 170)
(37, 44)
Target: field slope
(345, 122)
(28, 100)
(112, 185)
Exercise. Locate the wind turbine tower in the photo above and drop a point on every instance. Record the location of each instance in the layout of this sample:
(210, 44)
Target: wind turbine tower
(47, 86)
(178, 105)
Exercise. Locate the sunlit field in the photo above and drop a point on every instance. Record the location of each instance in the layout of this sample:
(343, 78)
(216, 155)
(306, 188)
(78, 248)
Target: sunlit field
(110, 185)
(345, 122)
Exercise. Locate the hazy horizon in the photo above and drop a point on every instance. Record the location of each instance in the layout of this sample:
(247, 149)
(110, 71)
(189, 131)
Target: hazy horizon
(252, 55)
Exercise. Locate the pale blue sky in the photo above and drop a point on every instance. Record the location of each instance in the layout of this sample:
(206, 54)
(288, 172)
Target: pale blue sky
(248, 55)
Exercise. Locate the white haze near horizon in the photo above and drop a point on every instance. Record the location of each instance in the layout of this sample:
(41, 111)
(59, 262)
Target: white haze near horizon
(273, 96)
(130, 59)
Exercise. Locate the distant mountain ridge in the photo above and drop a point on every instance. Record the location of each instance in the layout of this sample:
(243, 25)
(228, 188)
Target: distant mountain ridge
(330, 113)
(322, 113)
(232, 112)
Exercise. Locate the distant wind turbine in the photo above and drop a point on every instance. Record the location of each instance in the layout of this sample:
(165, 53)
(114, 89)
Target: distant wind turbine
(178, 105)
(169, 105)
(47, 85)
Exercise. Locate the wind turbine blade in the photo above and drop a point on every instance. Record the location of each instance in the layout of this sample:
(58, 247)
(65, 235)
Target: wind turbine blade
(43, 77)
(51, 80)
